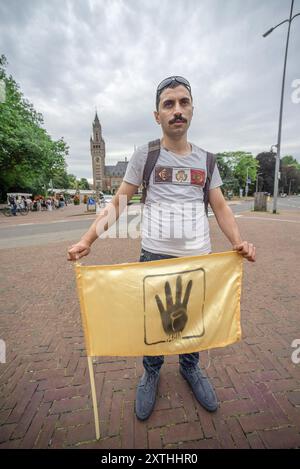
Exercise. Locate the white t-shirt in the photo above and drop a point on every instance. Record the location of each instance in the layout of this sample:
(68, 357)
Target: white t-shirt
(174, 219)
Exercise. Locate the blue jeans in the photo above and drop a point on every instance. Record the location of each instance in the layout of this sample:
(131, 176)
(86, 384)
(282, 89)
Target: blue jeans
(154, 363)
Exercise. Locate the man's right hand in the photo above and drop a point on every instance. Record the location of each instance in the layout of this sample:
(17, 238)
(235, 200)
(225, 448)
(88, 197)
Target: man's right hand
(78, 250)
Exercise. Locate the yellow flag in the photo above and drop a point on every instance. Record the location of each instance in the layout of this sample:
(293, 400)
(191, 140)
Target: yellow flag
(165, 307)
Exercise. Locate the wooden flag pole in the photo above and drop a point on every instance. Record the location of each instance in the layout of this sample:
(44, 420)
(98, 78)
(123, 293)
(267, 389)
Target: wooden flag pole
(94, 397)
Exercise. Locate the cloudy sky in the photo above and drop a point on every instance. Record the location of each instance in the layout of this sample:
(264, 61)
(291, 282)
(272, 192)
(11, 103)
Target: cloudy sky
(71, 56)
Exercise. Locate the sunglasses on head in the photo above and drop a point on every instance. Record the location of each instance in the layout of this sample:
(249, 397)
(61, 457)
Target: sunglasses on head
(167, 82)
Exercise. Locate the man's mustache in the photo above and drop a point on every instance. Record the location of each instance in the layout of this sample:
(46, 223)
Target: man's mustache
(177, 119)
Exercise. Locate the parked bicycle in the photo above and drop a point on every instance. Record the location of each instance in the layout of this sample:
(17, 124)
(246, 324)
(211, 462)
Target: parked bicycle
(9, 211)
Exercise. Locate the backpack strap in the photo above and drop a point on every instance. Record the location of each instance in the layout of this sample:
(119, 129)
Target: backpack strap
(152, 157)
(210, 166)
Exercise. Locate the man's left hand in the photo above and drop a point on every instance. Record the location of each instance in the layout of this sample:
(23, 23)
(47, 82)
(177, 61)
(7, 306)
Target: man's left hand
(246, 249)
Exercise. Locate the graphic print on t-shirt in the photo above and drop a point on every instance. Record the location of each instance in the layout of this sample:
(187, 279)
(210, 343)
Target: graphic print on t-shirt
(182, 176)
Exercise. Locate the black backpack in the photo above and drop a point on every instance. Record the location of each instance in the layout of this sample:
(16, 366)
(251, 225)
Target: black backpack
(152, 157)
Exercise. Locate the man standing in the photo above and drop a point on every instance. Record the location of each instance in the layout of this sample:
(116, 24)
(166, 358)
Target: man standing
(13, 205)
(175, 196)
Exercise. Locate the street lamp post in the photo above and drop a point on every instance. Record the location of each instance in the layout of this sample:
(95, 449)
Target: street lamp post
(275, 195)
(278, 173)
(247, 182)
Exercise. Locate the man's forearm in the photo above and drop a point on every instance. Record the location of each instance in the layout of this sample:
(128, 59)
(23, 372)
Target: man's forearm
(106, 218)
(91, 235)
(228, 225)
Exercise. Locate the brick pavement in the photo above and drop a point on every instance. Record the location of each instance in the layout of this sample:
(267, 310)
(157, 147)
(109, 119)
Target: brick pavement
(45, 397)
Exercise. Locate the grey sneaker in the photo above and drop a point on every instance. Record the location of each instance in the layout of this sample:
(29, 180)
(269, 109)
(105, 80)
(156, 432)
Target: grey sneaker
(146, 395)
(201, 387)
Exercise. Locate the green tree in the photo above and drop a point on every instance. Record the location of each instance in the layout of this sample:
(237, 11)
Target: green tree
(230, 184)
(266, 169)
(235, 166)
(83, 184)
(245, 165)
(72, 182)
(29, 158)
(60, 179)
(289, 160)
(290, 175)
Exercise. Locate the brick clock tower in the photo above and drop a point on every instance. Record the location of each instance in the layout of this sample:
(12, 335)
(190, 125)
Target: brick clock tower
(98, 156)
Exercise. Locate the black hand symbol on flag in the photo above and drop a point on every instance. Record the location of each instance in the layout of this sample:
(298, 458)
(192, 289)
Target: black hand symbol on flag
(174, 316)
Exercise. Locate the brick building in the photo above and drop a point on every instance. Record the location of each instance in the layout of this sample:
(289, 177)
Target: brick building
(105, 178)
